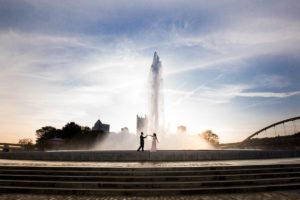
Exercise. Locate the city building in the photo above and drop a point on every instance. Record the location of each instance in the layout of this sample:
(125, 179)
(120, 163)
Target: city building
(141, 124)
(99, 126)
(124, 130)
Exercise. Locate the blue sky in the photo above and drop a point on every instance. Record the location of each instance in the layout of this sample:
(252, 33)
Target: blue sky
(231, 66)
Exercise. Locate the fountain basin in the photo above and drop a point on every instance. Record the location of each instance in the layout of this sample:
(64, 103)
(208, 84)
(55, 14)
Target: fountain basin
(146, 156)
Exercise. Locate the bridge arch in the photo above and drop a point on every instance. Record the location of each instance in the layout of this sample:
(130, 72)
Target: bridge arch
(293, 119)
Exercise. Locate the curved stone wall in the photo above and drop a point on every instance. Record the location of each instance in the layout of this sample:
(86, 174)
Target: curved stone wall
(168, 155)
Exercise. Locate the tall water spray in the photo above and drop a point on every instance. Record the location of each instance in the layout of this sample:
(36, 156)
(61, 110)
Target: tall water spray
(156, 99)
(153, 122)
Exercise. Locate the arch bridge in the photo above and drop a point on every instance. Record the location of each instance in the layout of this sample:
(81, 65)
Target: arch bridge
(284, 134)
(10, 146)
(282, 123)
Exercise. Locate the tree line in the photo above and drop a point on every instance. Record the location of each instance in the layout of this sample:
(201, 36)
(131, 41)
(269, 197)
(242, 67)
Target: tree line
(74, 136)
(79, 137)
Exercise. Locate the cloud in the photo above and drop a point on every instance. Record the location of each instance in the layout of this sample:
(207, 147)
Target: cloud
(222, 94)
(74, 60)
(271, 81)
(191, 93)
(268, 94)
(46, 86)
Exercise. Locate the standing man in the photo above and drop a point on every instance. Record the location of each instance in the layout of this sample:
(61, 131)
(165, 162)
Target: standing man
(142, 142)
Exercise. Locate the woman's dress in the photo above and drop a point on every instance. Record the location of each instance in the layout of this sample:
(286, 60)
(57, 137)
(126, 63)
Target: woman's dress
(153, 147)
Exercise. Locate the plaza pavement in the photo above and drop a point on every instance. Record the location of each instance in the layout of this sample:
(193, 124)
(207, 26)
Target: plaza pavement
(277, 195)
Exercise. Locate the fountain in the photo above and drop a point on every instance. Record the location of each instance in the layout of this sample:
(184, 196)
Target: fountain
(156, 99)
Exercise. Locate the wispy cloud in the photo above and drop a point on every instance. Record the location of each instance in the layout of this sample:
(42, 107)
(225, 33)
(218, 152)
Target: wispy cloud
(75, 60)
(271, 81)
(268, 94)
(191, 93)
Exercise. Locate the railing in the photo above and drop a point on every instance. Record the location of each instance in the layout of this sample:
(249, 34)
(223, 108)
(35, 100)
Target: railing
(5, 147)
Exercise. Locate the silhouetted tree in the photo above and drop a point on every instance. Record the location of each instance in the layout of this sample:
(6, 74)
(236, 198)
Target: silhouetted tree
(210, 137)
(85, 129)
(71, 130)
(27, 143)
(45, 133)
(74, 135)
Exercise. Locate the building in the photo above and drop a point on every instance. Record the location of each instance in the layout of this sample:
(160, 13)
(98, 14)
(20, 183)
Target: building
(99, 126)
(141, 124)
(181, 129)
(124, 130)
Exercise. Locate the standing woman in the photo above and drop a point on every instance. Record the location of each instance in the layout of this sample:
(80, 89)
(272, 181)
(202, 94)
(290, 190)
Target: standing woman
(154, 140)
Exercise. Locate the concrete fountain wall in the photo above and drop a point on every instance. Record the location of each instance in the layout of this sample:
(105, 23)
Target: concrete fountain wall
(167, 155)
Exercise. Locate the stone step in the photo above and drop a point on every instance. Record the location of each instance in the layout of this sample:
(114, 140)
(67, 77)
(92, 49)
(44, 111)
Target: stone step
(144, 185)
(148, 178)
(148, 191)
(67, 168)
(40, 171)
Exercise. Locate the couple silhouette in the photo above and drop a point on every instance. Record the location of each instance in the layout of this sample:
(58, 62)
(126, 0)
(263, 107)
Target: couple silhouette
(142, 142)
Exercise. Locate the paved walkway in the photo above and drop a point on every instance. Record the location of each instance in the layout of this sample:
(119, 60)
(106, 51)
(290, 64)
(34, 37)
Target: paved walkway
(4, 162)
(278, 195)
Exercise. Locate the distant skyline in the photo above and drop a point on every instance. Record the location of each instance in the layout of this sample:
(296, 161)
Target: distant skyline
(230, 66)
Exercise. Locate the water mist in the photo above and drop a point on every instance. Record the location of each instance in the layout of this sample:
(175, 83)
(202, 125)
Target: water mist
(155, 97)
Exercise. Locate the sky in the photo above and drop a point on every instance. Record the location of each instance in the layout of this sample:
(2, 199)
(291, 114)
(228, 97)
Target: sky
(231, 66)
